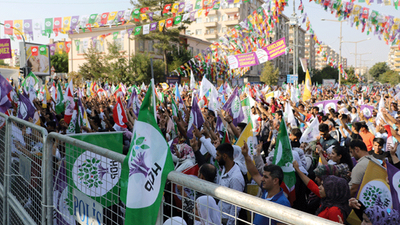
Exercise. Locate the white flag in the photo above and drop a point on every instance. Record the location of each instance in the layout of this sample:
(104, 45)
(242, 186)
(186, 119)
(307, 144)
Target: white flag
(204, 87)
(192, 80)
(311, 133)
(146, 29)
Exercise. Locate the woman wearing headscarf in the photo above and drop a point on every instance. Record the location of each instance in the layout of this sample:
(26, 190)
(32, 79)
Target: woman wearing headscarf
(334, 193)
(207, 211)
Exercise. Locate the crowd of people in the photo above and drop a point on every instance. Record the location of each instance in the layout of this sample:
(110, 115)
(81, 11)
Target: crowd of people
(329, 164)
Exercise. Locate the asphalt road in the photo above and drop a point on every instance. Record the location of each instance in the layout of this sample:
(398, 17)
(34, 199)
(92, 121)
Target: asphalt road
(9, 73)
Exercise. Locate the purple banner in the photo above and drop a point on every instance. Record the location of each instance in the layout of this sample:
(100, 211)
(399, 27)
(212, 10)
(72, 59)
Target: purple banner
(5, 49)
(243, 60)
(275, 49)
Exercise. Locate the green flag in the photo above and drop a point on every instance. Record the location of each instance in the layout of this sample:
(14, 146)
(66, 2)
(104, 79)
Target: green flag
(247, 110)
(43, 49)
(60, 107)
(137, 30)
(146, 166)
(283, 157)
(198, 4)
(115, 35)
(177, 20)
(91, 175)
(92, 18)
(48, 25)
(30, 81)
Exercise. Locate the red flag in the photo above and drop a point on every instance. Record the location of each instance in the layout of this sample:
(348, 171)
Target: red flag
(67, 46)
(119, 114)
(57, 24)
(8, 24)
(89, 27)
(191, 171)
(70, 104)
(226, 138)
(169, 22)
(104, 18)
(144, 10)
(167, 7)
(35, 50)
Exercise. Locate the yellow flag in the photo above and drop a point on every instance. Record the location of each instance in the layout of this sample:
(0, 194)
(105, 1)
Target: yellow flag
(18, 25)
(199, 12)
(112, 16)
(374, 181)
(248, 136)
(66, 23)
(175, 7)
(161, 24)
(143, 16)
(60, 47)
(307, 88)
(269, 95)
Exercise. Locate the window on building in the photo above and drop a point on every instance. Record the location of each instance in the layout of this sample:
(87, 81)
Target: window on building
(197, 51)
(225, 17)
(120, 43)
(188, 32)
(210, 31)
(212, 18)
(141, 45)
(230, 5)
(199, 32)
(151, 45)
(198, 20)
(191, 50)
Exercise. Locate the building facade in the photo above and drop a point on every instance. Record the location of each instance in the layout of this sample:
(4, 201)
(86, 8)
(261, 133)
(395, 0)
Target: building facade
(394, 58)
(309, 51)
(131, 47)
(301, 46)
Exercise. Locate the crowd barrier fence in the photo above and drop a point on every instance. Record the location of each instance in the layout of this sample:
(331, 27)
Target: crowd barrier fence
(57, 179)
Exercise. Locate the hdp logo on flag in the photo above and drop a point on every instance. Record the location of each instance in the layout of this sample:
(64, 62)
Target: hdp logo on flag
(145, 167)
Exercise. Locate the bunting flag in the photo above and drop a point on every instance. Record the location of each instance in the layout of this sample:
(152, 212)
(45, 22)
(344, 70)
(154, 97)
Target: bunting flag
(145, 167)
(283, 157)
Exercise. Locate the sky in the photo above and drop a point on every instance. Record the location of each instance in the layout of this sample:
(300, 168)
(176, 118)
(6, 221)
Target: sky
(327, 32)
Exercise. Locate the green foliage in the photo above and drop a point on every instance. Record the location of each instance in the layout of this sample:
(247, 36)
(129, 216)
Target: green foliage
(2, 63)
(60, 62)
(391, 77)
(168, 37)
(326, 73)
(378, 69)
(178, 57)
(94, 67)
(352, 79)
(269, 75)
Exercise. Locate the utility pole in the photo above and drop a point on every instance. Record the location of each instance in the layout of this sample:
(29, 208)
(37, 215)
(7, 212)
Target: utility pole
(294, 22)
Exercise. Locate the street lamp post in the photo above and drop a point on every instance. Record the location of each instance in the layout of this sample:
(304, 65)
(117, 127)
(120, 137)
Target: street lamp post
(294, 22)
(340, 45)
(355, 43)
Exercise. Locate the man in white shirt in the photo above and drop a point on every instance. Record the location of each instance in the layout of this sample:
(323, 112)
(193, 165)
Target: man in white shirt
(231, 177)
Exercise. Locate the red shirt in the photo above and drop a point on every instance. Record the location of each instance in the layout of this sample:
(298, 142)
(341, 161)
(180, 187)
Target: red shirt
(368, 139)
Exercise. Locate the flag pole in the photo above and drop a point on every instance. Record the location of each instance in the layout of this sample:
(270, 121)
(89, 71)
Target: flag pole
(153, 100)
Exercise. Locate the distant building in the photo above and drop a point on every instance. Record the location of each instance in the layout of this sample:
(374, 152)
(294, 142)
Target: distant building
(309, 52)
(88, 39)
(394, 58)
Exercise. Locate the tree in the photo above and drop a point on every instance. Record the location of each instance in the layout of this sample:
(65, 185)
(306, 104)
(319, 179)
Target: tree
(269, 75)
(166, 38)
(60, 62)
(390, 76)
(378, 69)
(327, 72)
(2, 63)
(94, 67)
(178, 57)
(352, 79)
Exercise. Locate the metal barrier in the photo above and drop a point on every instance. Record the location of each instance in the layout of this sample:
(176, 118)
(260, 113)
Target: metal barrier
(88, 178)
(23, 169)
(77, 182)
(194, 187)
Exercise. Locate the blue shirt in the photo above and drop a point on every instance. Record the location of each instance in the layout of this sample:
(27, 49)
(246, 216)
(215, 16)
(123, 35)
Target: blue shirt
(279, 198)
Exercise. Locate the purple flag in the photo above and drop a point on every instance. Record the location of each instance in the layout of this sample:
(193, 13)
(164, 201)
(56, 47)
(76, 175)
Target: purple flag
(192, 13)
(94, 41)
(60, 194)
(234, 107)
(189, 7)
(28, 27)
(150, 14)
(153, 26)
(367, 110)
(52, 49)
(134, 102)
(26, 109)
(5, 88)
(74, 22)
(219, 127)
(229, 1)
(120, 15)
(330, 104)
(394, 182)
(196, 118)
(129, 32)
(181, 7)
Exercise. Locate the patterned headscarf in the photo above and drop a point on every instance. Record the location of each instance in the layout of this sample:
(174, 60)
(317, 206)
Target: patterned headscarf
(382, 215)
